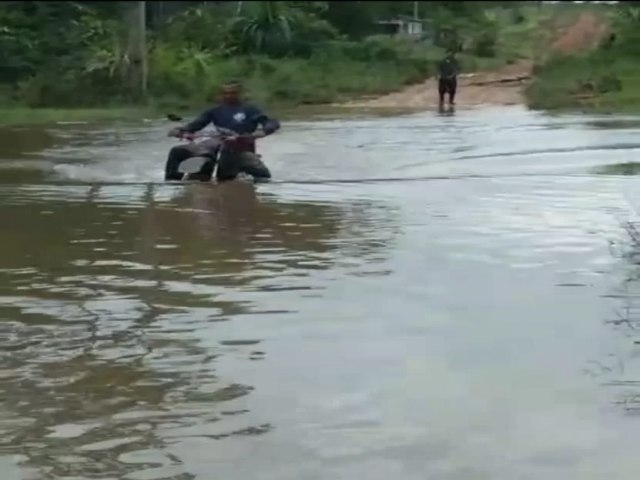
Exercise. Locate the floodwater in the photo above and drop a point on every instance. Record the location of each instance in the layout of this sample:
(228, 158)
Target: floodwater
(423, 296)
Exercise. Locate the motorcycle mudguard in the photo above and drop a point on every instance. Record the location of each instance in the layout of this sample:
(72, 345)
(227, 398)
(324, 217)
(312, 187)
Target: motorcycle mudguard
(193, 164)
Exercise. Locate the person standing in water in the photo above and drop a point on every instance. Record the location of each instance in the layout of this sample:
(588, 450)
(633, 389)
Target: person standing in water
(231, 113)
(448, 70)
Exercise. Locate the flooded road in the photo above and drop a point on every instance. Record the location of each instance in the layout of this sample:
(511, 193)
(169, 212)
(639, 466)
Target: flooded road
(442, 297)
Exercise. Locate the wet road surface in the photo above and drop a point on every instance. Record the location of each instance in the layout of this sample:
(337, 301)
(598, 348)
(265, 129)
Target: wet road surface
(442, 297)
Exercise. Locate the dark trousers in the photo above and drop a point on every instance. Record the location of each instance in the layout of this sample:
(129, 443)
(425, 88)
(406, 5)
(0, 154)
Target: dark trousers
(179, 154)
(229, 166)
(447, 86)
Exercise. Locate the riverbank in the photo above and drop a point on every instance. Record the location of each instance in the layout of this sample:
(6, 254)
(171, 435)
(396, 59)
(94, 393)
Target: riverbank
(288, 87)
(18, 116)
(594, 69)
(601, 75)
(499, 87)
(604, 80)
(599, 82)
(331, 78)
(507, 85)
(292, 88)
(24, 116)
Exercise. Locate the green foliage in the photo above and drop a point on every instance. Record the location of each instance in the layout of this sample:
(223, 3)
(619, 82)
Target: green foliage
(484, 42)
(201, 27)
(465, 27)
(266, 29)
(54, 65)
(188, 74)
(272, 28)
(341, 68)
(309, 33)
(31, 37)
(74, 53)
(626, 25)
(593, 79)
(19, 115)
(606, 78)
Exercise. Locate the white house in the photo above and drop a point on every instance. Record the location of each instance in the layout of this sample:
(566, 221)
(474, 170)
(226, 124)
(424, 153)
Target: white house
(403, 26)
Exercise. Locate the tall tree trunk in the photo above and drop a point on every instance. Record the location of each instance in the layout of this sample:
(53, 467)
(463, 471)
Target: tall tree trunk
(137, 49)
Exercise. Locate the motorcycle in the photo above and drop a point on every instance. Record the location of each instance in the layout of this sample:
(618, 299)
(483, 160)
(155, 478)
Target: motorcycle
(226, 156)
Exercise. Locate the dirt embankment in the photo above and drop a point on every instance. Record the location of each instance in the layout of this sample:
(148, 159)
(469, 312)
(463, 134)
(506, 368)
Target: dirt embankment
(501, 87)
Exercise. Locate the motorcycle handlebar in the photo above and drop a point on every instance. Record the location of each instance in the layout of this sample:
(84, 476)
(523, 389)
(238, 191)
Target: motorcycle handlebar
(220, 132)
(223, 134)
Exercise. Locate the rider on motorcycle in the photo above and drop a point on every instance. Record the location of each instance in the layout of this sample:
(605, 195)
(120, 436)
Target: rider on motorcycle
(231, 114)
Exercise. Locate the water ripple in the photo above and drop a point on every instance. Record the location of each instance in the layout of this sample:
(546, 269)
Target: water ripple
(334, 323)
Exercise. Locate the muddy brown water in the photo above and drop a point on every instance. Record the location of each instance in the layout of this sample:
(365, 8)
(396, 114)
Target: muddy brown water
(422, 296)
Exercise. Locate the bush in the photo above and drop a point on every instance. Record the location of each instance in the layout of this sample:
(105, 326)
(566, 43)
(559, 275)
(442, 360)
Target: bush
(568, 81)
(200, 27)
(485, 45)
(269, 28)
(608, 83)
(67, 89)
(284, 51)
(277, 30)
(188, 73)
(308, 33)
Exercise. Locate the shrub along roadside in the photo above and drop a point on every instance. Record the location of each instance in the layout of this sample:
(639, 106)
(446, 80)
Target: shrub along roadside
(187, 75)
(590, 81)
(337, 71)
(606, 78)
(285, 54)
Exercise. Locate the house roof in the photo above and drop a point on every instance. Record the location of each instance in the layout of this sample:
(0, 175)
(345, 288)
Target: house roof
(401, 19)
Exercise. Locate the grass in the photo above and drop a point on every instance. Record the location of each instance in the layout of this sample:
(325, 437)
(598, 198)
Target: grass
(527, 39)
(336, 72)
(17, 116)
(628, 168)
(24, 116)
(601, 81)
(285, 86)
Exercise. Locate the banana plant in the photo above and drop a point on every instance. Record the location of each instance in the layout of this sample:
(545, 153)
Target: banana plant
(111, 57)
(265, 27)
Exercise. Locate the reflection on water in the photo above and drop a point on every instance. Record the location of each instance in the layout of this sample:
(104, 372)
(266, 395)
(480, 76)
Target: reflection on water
(615, 123)
(20, 142)
(104, 305)
(621, 370)
(455, 326)
(627, 168)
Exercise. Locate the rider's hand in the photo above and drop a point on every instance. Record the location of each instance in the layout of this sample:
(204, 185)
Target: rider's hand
(248, 136)
(179, 133)
(230, 138)
(175, 132)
